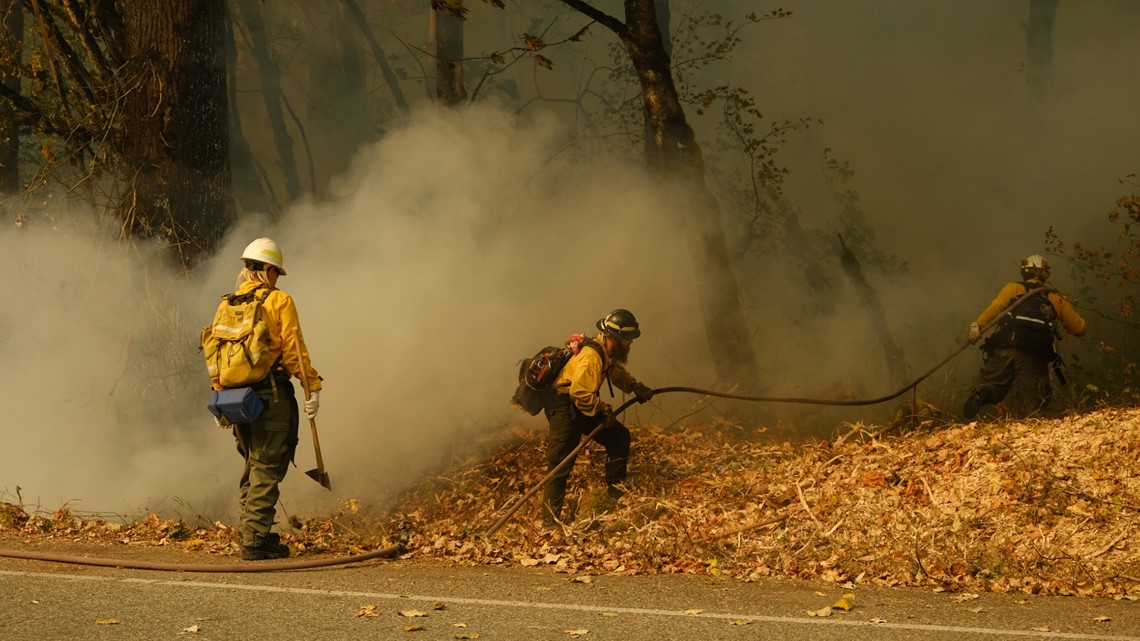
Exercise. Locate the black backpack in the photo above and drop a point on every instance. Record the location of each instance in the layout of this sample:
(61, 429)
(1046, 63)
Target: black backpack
(537, 374)
(1030, 326)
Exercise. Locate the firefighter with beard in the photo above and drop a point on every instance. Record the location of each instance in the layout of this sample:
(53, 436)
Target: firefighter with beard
(577, 408)
(1020, 351)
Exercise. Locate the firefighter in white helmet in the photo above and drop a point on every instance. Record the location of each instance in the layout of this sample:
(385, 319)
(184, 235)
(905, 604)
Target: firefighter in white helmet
(1020, 351)
(267, 444)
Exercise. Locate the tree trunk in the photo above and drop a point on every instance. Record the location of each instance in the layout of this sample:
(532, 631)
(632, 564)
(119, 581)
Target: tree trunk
(674, 155)
(337, 110)
(174, 149)
(270, 75)
(11, 49)
(378, 54)
(1039, 45)
(896, 363)
(253, 191)
(448, 31)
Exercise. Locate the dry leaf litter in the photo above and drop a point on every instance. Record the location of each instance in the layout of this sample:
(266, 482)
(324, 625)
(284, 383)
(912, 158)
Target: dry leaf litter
(1039, 506)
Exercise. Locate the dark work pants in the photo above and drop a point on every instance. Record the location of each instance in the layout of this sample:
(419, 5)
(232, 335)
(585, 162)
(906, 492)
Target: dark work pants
(1024, 373)
(567, 427)
(267, 445)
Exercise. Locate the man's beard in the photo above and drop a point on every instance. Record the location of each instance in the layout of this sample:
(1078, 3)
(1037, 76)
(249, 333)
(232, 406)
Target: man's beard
(619, 352)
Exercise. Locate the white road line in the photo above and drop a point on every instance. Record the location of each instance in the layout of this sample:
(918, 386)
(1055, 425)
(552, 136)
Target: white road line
(576, 608)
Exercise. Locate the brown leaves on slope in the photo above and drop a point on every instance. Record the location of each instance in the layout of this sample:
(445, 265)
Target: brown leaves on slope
(1044, 506)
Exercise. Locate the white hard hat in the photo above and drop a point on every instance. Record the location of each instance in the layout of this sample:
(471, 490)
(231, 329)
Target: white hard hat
(265, 250)
(1036, 261)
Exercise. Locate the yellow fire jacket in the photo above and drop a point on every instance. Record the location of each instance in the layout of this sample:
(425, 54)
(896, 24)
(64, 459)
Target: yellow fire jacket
(281, 316)
(584, 373)
(1070, 319)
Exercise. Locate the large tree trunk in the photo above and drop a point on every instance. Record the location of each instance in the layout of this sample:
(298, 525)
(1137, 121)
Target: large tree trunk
(1039, 45)
(447, 29)
(175, 143)
(674, 155)
(11, 48)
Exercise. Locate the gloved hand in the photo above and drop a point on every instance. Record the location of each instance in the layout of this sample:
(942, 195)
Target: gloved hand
(604, 410)
(975, 332)
(643, 392)
(313, 404)
(222, 423)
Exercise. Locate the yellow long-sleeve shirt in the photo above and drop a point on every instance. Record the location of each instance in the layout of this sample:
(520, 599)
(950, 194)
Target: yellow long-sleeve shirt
(1070, 319)
(280, 313)
(584, 373)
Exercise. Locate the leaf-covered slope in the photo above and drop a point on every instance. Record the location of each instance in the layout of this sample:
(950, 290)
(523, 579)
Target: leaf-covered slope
(1041, 506)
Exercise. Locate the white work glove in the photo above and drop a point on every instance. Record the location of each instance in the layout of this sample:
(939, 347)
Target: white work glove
(975, 332)
(313, 404)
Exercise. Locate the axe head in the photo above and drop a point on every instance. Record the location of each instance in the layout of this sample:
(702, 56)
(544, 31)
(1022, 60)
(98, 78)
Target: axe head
(320, 476)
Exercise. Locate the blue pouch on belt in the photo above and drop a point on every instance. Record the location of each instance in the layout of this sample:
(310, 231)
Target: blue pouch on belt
(237, 405)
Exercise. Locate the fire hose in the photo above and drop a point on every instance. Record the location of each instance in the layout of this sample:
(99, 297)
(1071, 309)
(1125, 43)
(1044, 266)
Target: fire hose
(756, 399)
(393, 550)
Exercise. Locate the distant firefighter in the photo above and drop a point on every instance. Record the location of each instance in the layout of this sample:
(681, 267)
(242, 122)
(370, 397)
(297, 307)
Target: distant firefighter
(1018, 355)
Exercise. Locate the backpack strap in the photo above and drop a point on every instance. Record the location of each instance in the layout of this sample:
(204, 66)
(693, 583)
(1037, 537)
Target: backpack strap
(597, 347)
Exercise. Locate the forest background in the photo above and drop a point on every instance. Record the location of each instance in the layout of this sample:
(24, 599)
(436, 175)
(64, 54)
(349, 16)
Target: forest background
(452, 194)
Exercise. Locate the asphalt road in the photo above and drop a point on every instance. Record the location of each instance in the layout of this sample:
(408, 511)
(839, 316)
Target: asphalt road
(46, 601)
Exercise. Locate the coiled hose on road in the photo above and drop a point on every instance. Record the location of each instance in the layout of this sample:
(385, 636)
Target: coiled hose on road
(393, 550)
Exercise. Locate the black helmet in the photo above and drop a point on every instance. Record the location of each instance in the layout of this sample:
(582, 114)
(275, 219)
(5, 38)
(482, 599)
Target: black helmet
(619, 323)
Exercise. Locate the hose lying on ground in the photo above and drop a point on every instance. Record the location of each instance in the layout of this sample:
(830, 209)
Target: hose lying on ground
(390, 551)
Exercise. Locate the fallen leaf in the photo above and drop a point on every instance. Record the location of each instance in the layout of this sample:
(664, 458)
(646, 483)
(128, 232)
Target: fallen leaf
(876, 620)
(413, 613)
(962, 598)
(582, 579)
(368, 610)
(976, 610)
(106, 622)
(35, 602)
(694, 611)
(529, 562)
(822, 612)
(438, 606)
(459, 625)
(192, 629)
(580, 632)
(466, 635)
(845, 603)
(609, 614)
(1102, 619)
(739, 622)
(413, 628)
(1041, 628)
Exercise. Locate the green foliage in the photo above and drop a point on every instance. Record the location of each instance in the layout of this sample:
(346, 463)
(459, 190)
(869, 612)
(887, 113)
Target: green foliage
(1106, 370)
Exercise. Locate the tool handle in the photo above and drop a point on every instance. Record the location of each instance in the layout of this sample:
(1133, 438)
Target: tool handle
(305, 385)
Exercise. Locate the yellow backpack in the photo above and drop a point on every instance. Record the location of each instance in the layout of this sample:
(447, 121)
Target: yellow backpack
(236, 343)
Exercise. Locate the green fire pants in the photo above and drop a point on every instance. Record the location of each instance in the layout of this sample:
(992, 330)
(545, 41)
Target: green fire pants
(267, 445)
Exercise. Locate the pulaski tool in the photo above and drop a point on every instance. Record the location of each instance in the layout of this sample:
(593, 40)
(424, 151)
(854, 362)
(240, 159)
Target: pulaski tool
(319, 475)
